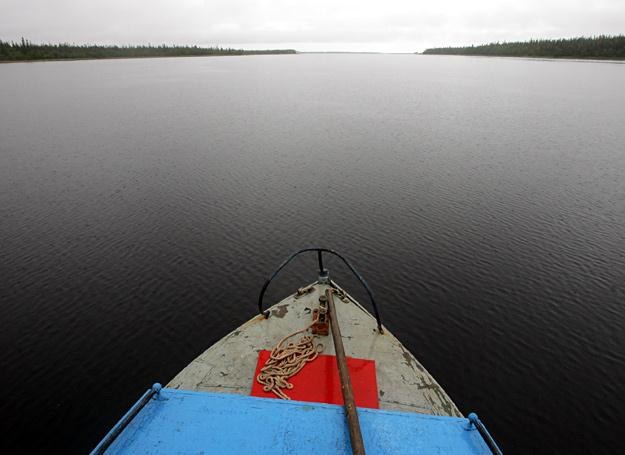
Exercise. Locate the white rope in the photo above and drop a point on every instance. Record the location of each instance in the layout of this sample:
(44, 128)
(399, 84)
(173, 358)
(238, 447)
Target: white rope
(285, 361)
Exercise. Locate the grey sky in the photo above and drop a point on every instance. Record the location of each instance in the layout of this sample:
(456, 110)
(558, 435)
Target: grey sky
(355, 25)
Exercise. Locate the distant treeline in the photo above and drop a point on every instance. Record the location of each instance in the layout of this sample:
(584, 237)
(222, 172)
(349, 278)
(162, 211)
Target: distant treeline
(600, 47)
(25, 50)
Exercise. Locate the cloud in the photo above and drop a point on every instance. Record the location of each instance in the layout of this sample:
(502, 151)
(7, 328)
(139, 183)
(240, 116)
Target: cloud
(392, 25)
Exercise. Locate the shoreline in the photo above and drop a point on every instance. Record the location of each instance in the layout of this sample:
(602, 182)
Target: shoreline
(567, 59)
(78, 59)
(528, 57)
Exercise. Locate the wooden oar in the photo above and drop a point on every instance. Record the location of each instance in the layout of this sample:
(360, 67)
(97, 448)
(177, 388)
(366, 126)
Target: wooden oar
(358, 447)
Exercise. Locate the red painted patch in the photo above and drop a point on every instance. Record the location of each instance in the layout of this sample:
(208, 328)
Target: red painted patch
(319, 381)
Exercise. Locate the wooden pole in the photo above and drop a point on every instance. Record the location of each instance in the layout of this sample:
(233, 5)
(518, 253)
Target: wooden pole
(355, 437)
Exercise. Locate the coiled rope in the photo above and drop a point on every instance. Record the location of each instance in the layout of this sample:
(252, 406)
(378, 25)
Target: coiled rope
(286, 360)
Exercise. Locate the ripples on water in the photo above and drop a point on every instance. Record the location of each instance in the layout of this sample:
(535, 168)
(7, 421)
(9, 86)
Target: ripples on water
(143, 203)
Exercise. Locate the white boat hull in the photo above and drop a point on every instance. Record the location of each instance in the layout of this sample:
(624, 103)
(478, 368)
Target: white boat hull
(403, 383)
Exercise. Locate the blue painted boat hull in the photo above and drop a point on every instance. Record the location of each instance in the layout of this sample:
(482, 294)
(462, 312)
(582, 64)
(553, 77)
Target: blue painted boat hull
(181, 421)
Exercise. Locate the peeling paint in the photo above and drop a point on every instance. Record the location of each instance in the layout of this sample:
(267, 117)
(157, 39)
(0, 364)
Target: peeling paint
(228, 366)
(280, 311)
(410, 360)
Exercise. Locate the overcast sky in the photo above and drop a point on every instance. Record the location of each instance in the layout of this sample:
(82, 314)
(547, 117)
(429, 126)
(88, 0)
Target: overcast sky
(332, 25)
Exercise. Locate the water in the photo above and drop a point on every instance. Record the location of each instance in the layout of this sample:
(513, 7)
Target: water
(144, 202)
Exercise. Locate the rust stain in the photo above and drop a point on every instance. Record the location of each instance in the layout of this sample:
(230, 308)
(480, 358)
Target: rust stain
(254, 320)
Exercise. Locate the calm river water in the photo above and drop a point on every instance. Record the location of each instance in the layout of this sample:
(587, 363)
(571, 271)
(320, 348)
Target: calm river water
(144, 202)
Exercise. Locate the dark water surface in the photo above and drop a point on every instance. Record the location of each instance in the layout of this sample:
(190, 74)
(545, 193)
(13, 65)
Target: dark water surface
(144, 202)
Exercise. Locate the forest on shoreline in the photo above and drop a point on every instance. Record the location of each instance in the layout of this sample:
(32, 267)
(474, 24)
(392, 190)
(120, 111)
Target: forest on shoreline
(26, 50)
(598, 47)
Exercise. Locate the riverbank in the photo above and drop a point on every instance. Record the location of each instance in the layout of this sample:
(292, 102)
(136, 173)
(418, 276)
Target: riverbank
(538, 59)
(131, 58)
(24, 50)
(597, 48)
